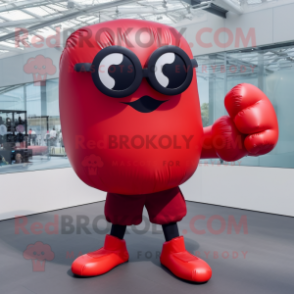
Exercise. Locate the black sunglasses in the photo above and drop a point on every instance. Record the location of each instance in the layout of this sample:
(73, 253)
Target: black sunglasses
(117, 71)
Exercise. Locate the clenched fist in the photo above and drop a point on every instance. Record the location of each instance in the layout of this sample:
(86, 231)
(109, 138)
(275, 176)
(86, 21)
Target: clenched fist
(250, 129)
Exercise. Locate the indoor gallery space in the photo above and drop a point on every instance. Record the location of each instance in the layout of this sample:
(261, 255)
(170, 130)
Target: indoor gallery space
(146, 146)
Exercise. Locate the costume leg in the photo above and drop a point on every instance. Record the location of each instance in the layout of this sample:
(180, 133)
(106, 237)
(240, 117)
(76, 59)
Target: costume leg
(167, 208)
(121, 211)
(170, 231)
(124, 210)
(118, 231)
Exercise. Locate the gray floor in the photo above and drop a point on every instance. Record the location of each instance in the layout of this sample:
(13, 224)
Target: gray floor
(268, 265)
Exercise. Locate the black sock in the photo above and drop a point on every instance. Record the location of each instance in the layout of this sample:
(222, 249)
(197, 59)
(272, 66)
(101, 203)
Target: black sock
(118, 231)
(170, 231)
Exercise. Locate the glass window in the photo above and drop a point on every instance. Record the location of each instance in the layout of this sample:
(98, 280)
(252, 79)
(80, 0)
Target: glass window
(30, 130)
(271, 70)
(31, 134)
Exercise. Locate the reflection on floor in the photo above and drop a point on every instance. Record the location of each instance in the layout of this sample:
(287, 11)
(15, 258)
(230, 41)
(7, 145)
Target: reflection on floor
(256, 257)
(37, 163)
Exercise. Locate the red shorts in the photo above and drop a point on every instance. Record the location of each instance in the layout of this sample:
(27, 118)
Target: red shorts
(163, 207)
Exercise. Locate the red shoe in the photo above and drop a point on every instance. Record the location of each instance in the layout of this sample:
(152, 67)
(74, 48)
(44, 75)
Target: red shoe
(103, 260)
(183, 264)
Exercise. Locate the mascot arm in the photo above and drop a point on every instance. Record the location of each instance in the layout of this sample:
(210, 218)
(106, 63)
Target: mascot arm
(251, 128)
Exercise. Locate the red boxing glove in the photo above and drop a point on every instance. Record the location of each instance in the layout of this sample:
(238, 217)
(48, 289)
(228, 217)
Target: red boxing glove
(250, 129)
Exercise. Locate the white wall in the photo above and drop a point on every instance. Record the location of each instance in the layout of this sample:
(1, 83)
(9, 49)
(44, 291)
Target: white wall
(254, 188)
(272, 24)
(34, 192)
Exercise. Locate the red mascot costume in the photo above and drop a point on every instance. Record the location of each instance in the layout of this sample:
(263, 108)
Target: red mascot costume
(132, 127)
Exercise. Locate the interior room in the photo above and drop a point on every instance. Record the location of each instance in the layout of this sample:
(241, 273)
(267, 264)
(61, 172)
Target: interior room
(146, 146)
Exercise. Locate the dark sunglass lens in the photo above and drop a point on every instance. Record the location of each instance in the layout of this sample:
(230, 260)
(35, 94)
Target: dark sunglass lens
(176, 72)
(123, 74)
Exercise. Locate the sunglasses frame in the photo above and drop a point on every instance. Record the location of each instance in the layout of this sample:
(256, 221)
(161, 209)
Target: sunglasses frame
(141, 72)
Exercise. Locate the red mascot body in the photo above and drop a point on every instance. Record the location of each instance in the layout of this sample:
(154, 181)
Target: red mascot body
(132, 127)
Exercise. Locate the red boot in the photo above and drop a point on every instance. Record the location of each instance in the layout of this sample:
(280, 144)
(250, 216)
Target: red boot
(103, 260)
(183, 264)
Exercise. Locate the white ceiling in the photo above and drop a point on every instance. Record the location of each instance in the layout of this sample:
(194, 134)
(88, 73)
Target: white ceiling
(41, 17)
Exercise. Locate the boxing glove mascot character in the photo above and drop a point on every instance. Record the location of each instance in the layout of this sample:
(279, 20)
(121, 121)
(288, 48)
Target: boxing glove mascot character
(132, 127)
